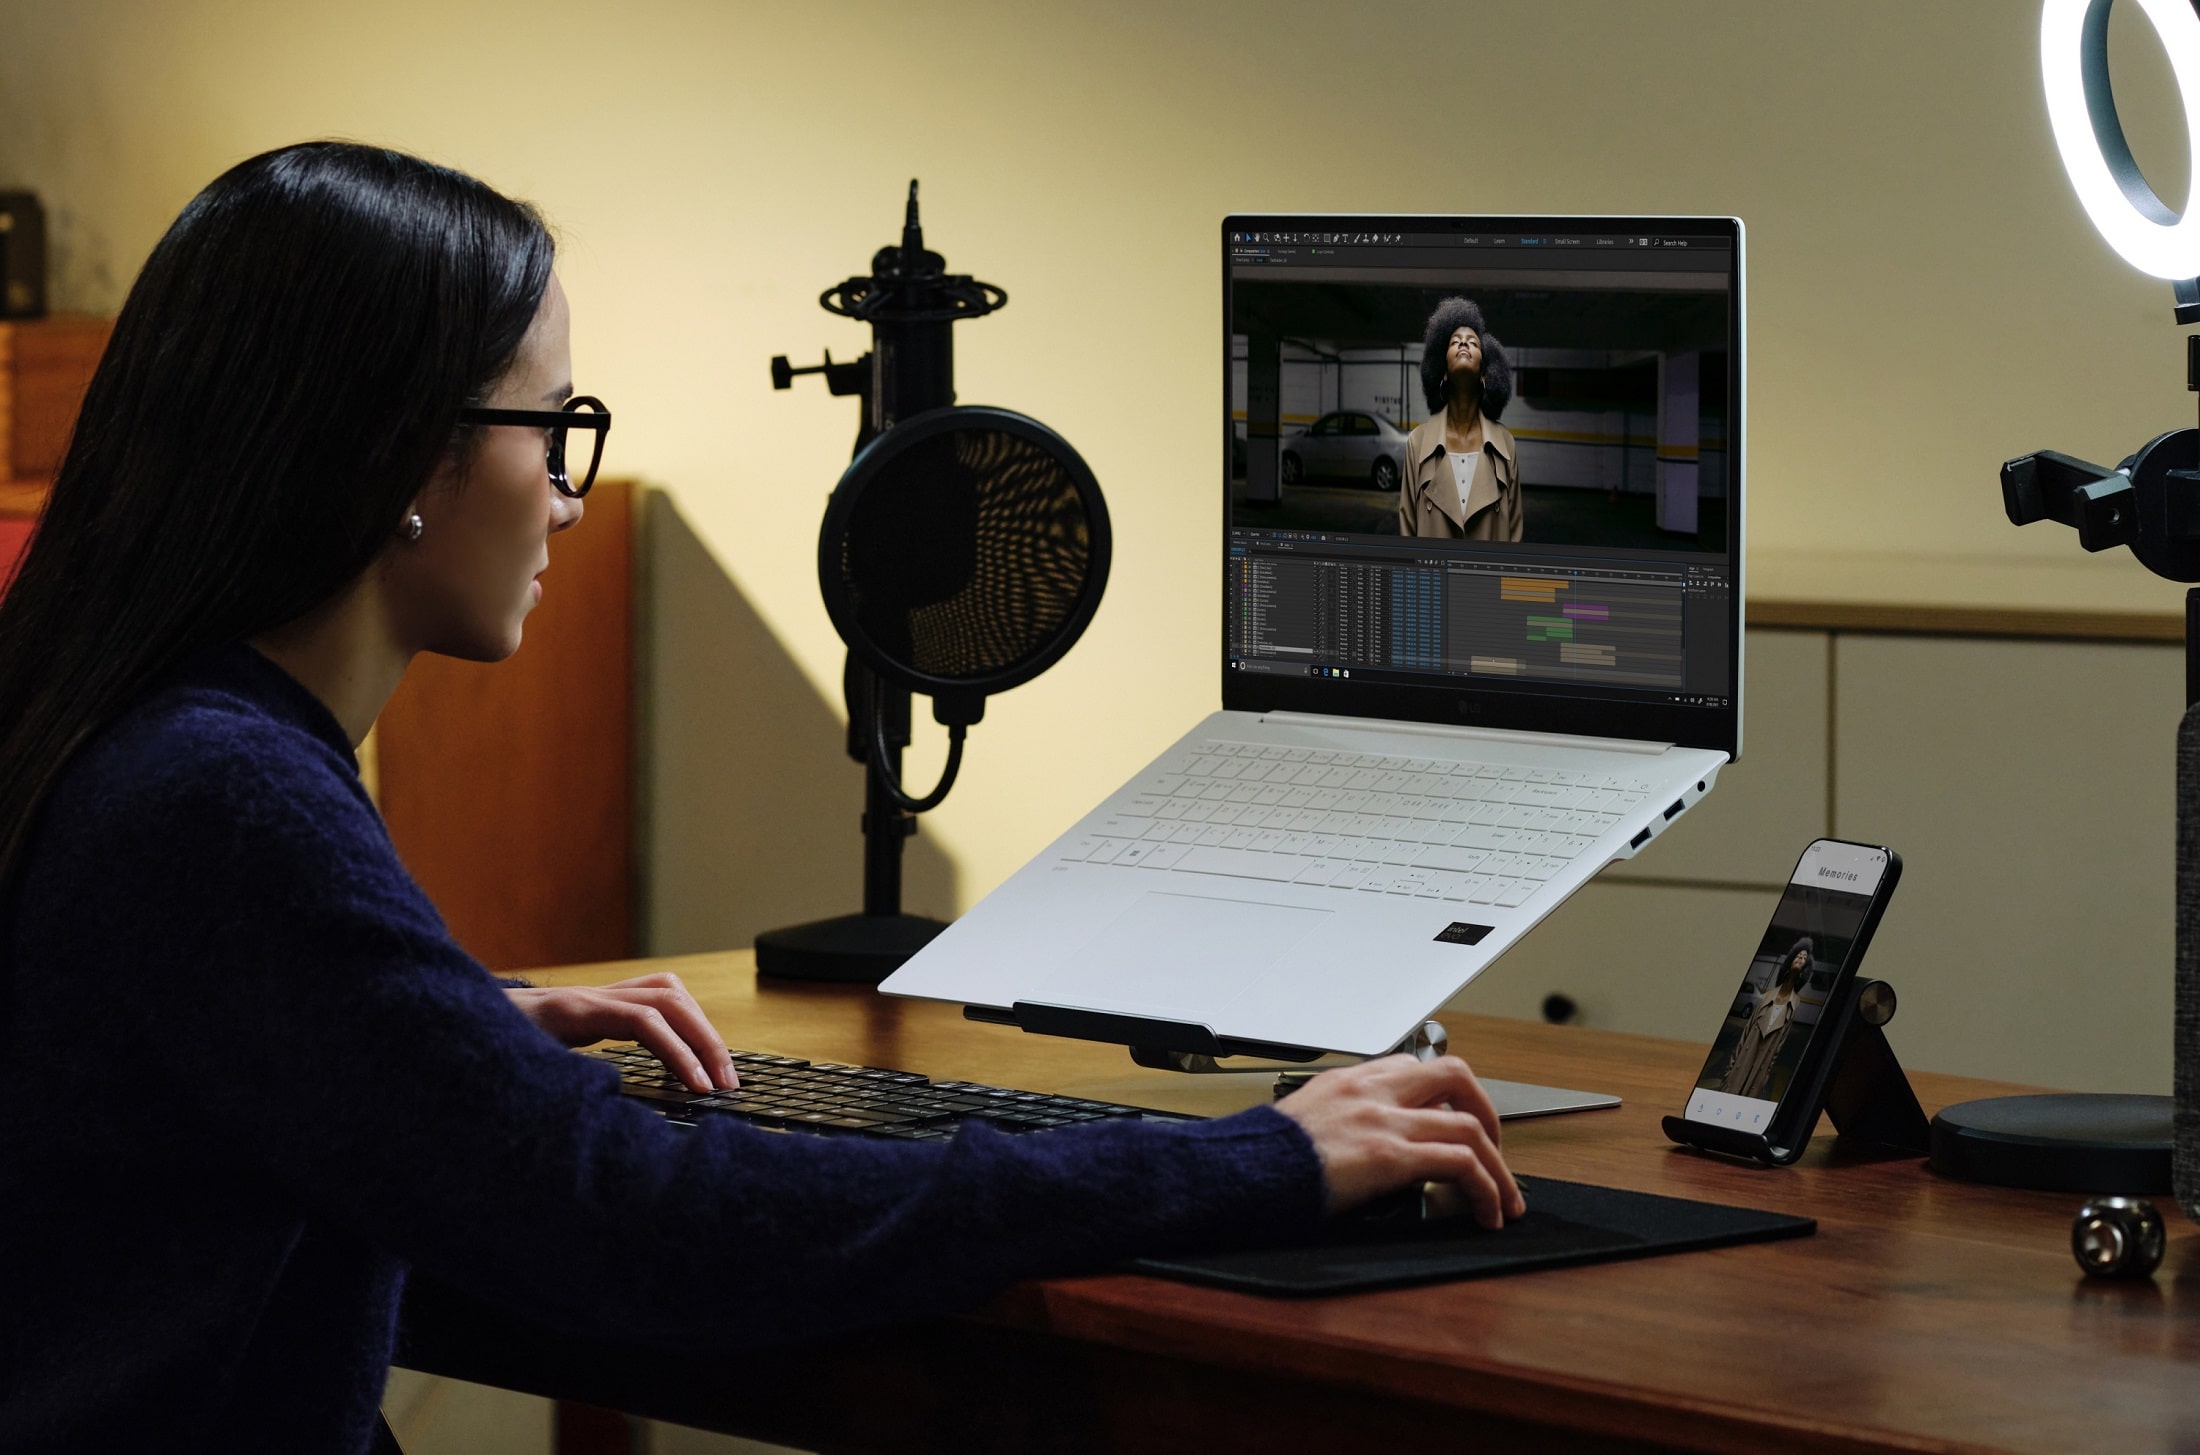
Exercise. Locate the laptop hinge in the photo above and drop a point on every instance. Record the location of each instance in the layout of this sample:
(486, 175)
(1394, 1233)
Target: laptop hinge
(1445, 730)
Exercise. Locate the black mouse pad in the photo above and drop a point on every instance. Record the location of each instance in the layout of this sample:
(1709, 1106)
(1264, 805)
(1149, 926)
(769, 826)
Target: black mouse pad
(1567, 1223)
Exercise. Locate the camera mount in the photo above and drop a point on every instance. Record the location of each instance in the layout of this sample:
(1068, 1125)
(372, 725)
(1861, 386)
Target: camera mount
(2149, 502)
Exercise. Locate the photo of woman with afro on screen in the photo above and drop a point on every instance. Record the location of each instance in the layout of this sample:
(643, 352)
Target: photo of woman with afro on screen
(1462, 475)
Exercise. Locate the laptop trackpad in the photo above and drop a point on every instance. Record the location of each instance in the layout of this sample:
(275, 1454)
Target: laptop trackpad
(1184, 956)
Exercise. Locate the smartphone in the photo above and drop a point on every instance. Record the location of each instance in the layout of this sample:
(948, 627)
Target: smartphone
(1764, 1081)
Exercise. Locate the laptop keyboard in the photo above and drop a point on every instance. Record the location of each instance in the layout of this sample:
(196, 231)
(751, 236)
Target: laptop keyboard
(783, 1093)
(1476, 833)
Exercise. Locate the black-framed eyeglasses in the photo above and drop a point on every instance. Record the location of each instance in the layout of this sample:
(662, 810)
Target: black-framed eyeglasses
(582, 411)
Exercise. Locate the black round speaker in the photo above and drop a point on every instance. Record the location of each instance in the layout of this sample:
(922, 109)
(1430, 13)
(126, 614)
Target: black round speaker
(963, 553)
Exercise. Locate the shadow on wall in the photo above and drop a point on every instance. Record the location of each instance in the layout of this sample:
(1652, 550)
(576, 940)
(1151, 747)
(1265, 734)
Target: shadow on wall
(751, 809)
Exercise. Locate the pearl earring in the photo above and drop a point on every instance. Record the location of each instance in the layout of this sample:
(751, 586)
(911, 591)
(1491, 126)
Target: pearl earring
(414, 525)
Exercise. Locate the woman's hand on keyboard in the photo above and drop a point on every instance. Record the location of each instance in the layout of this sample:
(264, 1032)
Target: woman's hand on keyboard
(655, 1010)
(1396, 1121)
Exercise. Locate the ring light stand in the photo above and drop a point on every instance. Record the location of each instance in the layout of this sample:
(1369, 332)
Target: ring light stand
(962, 553)
(2151, 503)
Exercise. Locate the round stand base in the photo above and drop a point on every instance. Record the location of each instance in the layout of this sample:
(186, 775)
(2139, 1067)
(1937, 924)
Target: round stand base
(2069, 1142)
(855, 949)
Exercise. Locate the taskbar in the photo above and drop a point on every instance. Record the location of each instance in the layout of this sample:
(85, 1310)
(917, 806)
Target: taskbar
(1391, 677)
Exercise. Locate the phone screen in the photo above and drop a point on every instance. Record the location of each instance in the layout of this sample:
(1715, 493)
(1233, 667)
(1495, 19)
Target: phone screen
(1783, 996)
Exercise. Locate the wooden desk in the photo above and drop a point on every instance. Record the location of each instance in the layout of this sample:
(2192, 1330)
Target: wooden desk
(1925, 1315)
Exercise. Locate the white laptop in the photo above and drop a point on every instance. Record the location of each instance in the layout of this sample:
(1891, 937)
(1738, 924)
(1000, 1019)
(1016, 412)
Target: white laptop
(1426, 742)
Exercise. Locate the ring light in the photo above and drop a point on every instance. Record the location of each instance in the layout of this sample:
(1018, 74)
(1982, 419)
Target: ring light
(2074, 1141)
(2082, 108)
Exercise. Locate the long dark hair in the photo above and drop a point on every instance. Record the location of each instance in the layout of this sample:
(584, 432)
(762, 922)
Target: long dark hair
(1450, 316)
(283, 380)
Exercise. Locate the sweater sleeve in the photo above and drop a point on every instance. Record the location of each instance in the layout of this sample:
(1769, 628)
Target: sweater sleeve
(308, 1020)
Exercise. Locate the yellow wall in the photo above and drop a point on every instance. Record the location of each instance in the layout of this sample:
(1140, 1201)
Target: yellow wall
(1926, 301)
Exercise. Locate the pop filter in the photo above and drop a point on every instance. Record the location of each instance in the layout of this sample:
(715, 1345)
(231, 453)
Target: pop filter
(962, 554)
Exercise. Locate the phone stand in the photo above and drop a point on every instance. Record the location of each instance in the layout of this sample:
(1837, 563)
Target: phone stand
(1858, 1083)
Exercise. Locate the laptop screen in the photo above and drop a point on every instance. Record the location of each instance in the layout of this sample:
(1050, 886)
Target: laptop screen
(1486, 471)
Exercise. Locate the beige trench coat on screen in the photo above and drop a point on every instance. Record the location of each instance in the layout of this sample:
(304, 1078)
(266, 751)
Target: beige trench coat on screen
(1432, 503)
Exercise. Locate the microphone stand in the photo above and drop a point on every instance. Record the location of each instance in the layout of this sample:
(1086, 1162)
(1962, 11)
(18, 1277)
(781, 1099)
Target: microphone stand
(912, 303)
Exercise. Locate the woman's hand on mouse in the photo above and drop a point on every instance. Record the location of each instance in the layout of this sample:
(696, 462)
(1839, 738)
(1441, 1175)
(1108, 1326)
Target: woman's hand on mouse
(1387, 1123)
(655, 1010)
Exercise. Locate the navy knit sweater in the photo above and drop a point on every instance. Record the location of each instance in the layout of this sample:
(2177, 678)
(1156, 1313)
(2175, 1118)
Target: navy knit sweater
(249, 1080)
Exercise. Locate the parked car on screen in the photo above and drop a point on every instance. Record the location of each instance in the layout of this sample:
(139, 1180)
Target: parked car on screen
(1347, 444)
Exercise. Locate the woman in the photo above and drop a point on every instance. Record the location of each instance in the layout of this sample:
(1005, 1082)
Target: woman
(1462, 474)
(252, 1081)
(1749, 1072)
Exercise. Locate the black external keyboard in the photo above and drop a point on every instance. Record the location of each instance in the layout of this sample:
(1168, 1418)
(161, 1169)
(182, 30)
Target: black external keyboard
(826, 1098)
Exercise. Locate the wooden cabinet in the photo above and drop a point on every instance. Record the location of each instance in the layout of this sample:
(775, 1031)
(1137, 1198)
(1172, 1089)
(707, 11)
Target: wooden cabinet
(2030, 787)
(15, 535)
(45, 364)
(509, 787)
(2027, 785)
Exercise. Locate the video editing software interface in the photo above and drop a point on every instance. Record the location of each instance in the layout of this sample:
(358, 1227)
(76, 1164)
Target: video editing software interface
(1364, 544)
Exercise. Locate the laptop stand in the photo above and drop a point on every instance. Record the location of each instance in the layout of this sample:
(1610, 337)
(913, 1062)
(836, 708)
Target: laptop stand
(1179, 1046)
(1514, 1100)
